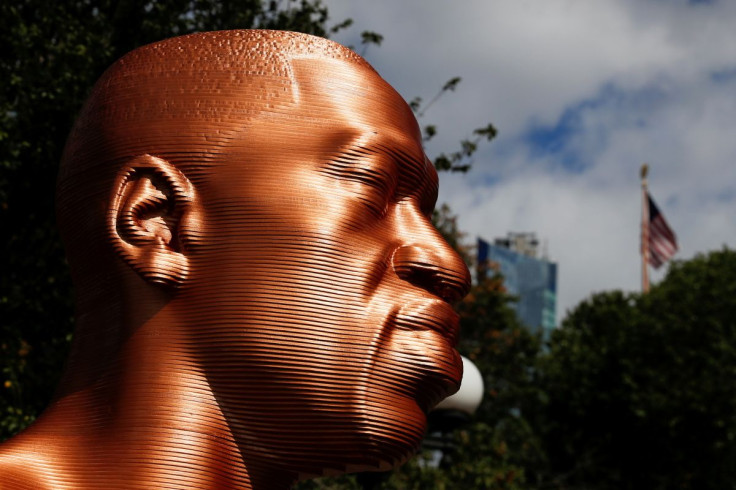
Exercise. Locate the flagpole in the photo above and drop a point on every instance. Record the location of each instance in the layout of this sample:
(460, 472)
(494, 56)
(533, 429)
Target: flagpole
(644, 230)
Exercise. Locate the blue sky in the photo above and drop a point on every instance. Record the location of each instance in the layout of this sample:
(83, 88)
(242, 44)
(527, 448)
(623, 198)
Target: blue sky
(582, 92)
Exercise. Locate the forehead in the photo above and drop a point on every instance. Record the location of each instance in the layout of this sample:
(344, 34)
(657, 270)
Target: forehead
(354, 94)
(354, 101)
(339, 112)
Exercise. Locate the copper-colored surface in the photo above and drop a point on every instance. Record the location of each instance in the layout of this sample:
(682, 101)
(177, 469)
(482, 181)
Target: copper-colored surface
(261, 294)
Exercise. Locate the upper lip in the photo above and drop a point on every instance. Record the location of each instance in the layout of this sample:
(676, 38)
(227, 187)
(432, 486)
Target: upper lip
(434, 314)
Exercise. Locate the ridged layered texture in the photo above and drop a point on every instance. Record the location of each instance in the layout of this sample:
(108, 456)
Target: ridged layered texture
(262, 296)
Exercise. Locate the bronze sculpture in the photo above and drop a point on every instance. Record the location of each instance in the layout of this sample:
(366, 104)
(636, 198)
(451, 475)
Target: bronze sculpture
(261, 295)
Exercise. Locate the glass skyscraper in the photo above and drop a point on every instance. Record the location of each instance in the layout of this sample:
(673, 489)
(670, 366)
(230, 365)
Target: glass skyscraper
(532, 280)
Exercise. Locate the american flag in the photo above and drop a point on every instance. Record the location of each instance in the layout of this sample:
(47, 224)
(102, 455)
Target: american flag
(662, 240)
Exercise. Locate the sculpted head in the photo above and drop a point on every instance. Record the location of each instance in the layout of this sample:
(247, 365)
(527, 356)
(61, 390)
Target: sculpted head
(253, 208)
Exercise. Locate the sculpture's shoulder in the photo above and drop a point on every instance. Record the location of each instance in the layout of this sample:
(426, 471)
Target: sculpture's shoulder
(21, 470)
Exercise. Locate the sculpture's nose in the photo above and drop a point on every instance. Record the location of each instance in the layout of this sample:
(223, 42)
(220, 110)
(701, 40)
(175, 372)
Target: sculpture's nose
(436, 268)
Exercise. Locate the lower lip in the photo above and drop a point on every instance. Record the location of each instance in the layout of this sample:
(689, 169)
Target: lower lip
(439, 319)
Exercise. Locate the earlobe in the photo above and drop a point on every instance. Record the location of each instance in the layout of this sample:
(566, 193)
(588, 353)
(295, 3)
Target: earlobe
(149, 219)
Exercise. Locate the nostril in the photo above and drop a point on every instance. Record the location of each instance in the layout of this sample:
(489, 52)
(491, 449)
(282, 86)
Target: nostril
(413, 263)
(419, 274)
(445, 277)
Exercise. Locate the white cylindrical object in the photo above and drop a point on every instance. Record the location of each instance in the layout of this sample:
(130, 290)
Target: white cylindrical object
(468, 397)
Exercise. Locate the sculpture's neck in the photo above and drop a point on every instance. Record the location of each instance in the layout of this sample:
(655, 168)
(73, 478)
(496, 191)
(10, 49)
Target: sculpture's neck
(150, 421)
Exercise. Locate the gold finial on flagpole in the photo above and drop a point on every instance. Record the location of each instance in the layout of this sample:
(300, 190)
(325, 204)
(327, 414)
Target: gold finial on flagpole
(644, 171)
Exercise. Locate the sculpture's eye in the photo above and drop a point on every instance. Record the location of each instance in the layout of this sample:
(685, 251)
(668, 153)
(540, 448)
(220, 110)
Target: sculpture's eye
(377, 190)
(372, 179)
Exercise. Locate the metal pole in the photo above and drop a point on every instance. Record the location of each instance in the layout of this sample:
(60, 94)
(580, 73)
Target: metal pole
(644, 230)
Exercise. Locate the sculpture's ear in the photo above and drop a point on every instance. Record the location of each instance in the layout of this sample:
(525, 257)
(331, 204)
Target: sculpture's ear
(152, 219)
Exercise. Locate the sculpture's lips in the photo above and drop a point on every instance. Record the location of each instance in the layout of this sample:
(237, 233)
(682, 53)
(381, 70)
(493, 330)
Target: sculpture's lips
(430, 314)
(443, 372)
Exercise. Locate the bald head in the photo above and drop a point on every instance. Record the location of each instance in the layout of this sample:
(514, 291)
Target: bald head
(190, 88)
(181, 100)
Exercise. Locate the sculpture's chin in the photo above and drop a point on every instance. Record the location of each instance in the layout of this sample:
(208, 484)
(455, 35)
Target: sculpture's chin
(385, 438)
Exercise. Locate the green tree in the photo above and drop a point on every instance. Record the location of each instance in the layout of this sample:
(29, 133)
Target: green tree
(494, 450)
(460, 160)
(642, 388)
